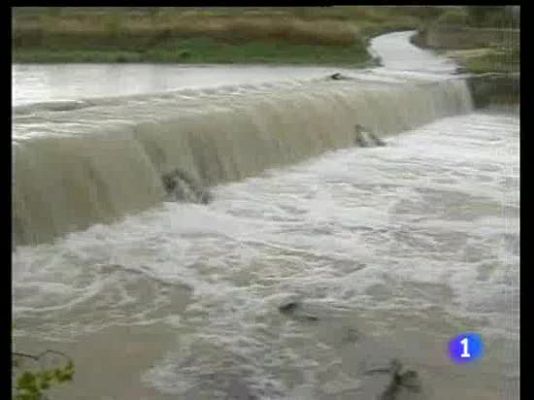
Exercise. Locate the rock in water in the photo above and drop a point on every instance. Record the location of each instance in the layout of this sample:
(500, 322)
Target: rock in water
(360, 136)
(293, 309)
(205, 197)
(377, 141)
(182, 187)
(360, 141)
(365, 138)
(338, 77)
(289, 307)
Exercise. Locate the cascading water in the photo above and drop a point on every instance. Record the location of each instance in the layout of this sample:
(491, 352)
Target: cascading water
(85, 162)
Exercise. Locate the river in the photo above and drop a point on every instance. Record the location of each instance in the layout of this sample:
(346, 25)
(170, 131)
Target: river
(389, 251)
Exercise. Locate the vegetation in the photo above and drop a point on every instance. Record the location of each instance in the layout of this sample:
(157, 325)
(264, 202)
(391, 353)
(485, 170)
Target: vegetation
(313, 35)
(478, 17)
(500, 60)
(492, 16)
(454, 17)
(494, 49)
(289, 35)
(33, 383)
(208, 50)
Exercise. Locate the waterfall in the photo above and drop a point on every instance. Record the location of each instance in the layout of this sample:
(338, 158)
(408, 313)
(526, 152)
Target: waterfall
(94, 161)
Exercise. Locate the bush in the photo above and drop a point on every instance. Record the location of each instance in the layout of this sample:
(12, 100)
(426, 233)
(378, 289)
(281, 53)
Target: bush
(32, 384)
(184, 54)
(454, 17)
(489, 16)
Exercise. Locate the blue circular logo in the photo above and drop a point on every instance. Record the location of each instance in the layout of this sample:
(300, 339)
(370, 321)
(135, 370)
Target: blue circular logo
(466, 348)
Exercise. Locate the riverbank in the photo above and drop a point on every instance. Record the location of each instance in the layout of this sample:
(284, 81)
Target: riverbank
(480, 39)
(205, 50)
(488, 49)
(323, 36)
(494, 70)
(500, 55)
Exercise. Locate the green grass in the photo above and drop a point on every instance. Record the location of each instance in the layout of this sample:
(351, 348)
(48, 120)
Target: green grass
(501, 61)
(274, 35)
(292, 35)
(477, 53)
(504, 60)
(205, 50)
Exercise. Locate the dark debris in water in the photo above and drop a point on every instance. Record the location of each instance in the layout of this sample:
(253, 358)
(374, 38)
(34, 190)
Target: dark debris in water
(289, 307)
(351, 335)
(180, 186)
(294, 310)
(339, 77)
(402, 381)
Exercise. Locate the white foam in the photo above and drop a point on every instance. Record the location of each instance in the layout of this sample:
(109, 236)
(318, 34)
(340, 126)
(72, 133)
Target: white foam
(375, 232)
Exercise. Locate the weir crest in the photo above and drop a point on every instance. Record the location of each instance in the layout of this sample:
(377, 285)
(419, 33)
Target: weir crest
(95, 161)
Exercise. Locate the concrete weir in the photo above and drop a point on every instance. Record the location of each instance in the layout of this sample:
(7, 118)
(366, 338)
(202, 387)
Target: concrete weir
(80, 166)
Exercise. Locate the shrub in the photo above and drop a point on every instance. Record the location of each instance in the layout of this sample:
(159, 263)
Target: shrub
(32, 384)
(454, 17)
(489, 16)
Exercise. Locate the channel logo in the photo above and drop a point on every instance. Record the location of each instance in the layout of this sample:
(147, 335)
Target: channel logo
(466, 348)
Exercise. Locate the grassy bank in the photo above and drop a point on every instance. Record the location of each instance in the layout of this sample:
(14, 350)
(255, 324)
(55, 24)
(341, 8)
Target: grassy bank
(484, 41)
(504, 60)
(480, 39)
(203, 50)
(326, 35)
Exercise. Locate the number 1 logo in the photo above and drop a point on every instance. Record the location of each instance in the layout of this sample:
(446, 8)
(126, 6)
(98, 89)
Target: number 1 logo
(466, 347)
(465, 344)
